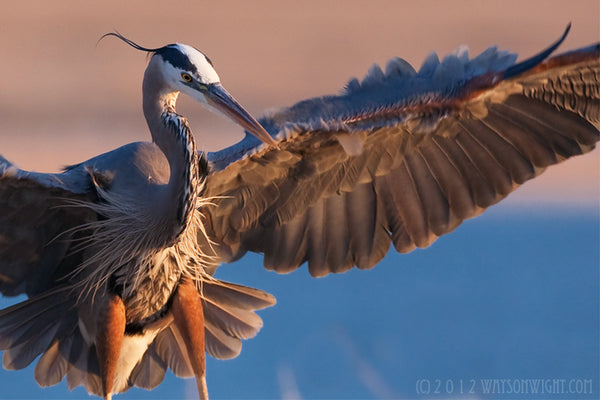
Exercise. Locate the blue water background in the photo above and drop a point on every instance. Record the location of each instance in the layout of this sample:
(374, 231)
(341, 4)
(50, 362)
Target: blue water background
(513, 294)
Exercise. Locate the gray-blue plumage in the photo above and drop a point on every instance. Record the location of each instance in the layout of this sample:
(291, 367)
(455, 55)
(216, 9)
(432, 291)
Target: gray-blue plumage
(399, 85)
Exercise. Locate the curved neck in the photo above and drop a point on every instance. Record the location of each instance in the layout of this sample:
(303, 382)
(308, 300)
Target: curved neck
(172, 135)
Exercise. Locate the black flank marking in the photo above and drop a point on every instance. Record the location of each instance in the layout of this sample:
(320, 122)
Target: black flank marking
(134, 329)
(138, 327)
(114, 287)
(203, 165)
(180, 211)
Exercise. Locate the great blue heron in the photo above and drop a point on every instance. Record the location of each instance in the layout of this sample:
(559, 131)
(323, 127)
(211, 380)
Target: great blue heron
(117, 253)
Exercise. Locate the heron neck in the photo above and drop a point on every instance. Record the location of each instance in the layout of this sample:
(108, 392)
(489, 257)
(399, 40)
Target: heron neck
(172, 135)
(168, 129)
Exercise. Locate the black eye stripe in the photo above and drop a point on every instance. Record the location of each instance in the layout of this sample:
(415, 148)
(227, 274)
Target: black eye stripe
(176, 58)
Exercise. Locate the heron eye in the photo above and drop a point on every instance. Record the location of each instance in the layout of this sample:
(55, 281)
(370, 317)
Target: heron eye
(186, 77)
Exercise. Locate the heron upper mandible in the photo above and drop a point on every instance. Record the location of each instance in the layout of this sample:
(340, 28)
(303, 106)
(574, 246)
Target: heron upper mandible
(117, 254)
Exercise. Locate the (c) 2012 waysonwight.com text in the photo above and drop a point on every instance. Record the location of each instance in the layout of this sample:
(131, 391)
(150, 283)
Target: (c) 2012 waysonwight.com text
(529, 386)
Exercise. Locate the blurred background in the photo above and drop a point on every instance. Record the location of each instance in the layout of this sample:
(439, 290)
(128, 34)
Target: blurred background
(513, 294)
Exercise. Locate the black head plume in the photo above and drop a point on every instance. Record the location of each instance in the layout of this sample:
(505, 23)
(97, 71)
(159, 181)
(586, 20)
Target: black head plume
(129, 42)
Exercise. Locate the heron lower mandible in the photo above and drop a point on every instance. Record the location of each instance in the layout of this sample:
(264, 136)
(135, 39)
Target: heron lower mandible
(117, 254)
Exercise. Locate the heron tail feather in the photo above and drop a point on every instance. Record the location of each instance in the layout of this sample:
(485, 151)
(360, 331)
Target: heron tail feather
(46, 325)
(230, 315)
(229, 311)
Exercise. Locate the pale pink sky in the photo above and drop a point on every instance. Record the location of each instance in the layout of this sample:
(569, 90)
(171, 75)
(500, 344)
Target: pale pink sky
(63, 99)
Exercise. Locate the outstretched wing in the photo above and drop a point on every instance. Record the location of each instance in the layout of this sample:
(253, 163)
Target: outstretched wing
(401, 157)
(33, 222)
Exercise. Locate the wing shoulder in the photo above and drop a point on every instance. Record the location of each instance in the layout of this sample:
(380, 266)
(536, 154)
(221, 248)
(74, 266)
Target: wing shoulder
(32, 217)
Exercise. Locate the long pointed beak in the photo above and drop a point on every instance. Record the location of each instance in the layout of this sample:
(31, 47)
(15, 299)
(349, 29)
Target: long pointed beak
(222, 101)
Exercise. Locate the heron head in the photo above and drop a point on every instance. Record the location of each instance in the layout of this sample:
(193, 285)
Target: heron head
(187, 70)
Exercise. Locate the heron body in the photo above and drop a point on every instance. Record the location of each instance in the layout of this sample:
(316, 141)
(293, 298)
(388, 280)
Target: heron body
(138, 244)
(124, 245)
